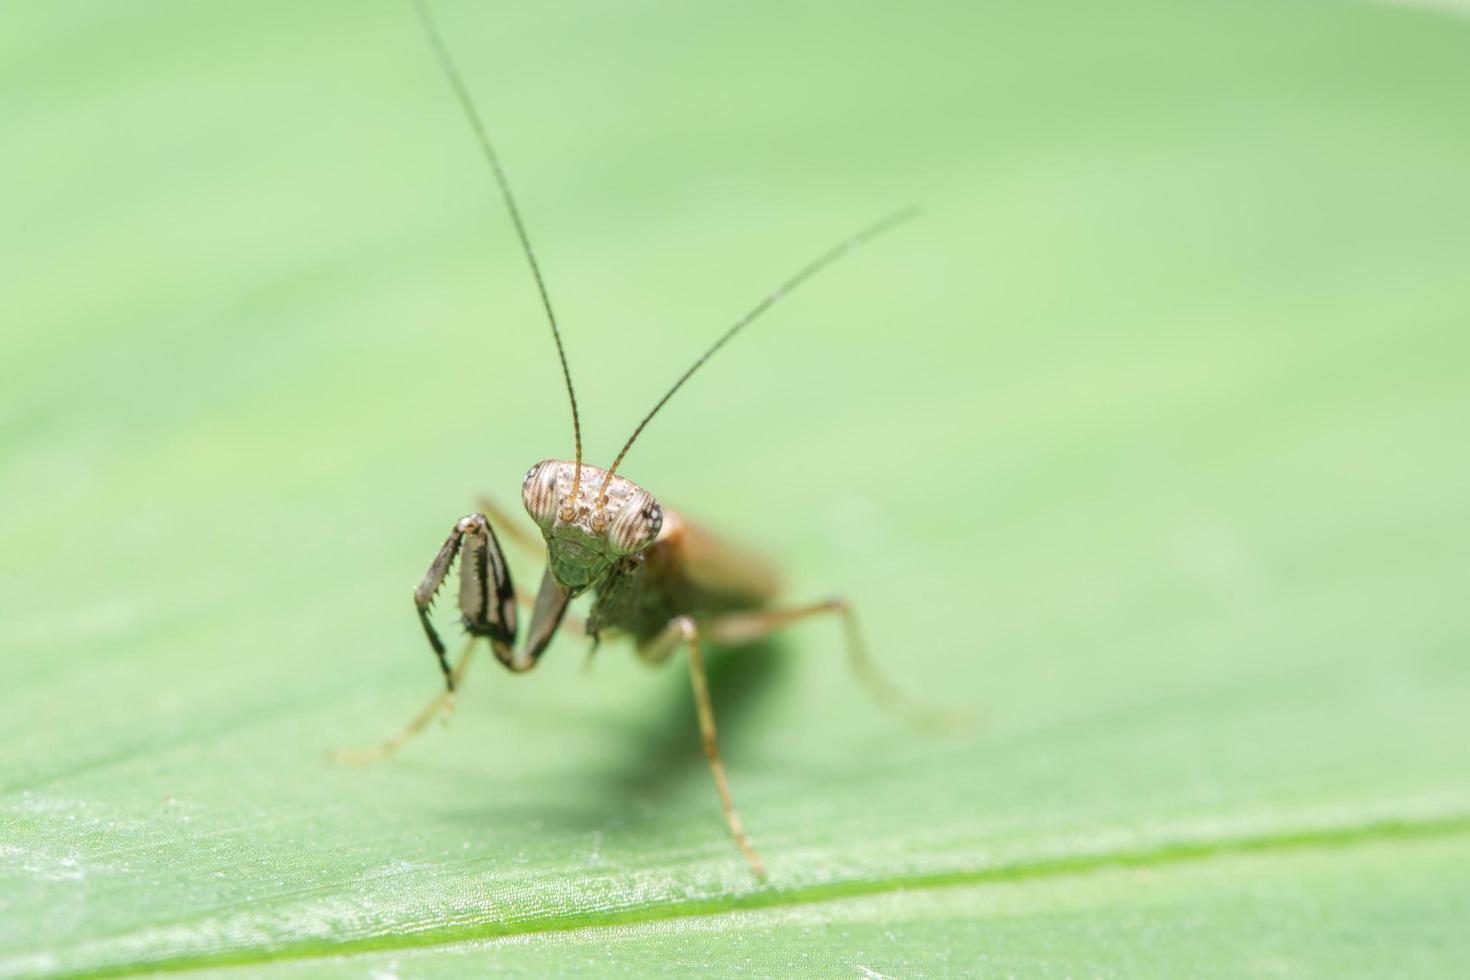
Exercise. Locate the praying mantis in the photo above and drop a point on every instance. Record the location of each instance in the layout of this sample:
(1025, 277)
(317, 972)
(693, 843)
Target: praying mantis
(656, 577)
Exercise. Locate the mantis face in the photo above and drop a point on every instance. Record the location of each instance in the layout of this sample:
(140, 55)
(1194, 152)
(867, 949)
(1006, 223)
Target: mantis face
(589, 523)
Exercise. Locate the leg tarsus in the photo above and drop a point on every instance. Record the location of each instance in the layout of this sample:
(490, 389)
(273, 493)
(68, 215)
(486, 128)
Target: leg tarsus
(889, 695)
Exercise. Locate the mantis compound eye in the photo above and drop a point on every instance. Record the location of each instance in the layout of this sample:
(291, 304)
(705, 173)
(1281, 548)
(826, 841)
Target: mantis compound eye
(538, 492)
(635, 523)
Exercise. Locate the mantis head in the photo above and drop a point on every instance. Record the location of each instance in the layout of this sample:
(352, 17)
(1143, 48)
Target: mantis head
(590, 519)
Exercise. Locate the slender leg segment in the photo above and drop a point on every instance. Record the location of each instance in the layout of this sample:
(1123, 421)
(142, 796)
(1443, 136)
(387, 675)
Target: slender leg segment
(487, 598)
(746, 627)
(442, 704)
(659, 648)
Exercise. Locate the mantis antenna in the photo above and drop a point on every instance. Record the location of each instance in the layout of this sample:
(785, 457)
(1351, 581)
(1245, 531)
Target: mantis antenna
(473, 115)
(808, 271)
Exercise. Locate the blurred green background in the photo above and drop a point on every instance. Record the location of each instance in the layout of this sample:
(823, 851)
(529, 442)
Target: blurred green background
(1147, 443)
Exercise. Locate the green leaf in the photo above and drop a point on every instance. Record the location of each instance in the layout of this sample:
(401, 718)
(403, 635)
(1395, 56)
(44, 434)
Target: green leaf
(1146, 445)
(1375, 909)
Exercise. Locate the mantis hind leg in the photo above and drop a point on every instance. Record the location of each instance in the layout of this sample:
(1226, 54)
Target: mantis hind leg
(746, 627)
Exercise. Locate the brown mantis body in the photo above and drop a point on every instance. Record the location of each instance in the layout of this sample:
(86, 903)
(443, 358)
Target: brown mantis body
(656, 578)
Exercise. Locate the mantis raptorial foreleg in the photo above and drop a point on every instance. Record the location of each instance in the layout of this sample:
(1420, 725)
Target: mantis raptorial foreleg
(534, 547)
(486, 596)
(484, 584)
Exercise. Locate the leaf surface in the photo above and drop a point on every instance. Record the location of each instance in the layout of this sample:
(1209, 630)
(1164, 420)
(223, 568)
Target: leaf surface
(1146, 446)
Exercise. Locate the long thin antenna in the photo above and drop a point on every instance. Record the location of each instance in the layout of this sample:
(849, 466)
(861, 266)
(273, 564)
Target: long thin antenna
(473, 115)
(807, 272)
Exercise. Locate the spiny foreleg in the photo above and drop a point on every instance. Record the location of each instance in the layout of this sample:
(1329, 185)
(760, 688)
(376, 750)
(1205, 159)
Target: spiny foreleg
(487, 598)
